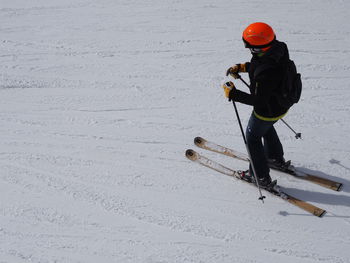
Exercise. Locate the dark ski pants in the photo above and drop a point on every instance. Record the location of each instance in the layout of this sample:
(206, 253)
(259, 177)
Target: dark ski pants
(271, 148)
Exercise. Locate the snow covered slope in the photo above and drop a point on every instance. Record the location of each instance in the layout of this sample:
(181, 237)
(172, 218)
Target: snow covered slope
(100, 99)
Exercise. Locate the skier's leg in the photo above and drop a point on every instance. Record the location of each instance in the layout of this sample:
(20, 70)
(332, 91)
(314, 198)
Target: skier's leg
(256, 129)
(273, 146)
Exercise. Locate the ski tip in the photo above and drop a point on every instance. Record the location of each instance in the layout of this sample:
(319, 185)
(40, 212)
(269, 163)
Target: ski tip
(198, 141)
(191, 154)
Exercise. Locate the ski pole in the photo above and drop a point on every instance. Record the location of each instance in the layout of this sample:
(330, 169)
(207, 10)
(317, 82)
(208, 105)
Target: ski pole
(239, 77)
(297, 134)
(250, 157)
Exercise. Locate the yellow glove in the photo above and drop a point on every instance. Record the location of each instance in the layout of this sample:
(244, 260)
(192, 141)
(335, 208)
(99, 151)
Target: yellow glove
(229, 88)
(232, 71)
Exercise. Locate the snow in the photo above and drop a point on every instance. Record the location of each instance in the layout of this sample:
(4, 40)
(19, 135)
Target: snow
(99, 101)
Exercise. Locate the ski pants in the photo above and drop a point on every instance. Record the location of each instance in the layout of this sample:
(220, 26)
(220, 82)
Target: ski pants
(257, 131)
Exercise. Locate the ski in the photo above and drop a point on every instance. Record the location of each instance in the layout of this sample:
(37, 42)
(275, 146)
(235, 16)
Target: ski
(276, 191)
(291, 170)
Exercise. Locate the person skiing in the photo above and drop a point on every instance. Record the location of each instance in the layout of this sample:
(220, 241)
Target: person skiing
(265, 71)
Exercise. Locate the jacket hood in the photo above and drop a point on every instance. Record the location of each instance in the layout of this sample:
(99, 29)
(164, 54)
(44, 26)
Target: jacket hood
(278, 51)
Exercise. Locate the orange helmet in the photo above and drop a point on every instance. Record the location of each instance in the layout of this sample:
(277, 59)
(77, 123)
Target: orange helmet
(258, 35)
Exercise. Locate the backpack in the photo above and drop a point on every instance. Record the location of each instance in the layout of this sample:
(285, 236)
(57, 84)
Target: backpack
(290, 85)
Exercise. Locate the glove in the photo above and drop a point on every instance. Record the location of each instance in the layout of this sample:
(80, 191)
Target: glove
(229, 89)
(233, 71)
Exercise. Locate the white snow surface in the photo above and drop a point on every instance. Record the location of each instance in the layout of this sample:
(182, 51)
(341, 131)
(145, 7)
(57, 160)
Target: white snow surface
(99, 101)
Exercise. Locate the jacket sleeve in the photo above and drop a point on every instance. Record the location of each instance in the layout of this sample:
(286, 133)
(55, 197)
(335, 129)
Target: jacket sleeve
(265, 84)
(247, 66)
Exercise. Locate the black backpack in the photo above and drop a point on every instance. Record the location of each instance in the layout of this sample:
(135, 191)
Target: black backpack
(290, 85)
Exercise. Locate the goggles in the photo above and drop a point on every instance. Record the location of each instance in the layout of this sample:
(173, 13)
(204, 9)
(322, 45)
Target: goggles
(247, 45)
(256, 50)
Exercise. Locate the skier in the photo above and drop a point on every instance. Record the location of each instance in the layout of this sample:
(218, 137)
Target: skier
(265, 73)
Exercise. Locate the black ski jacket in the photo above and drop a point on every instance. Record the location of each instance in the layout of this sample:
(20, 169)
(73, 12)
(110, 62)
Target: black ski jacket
(265, 74)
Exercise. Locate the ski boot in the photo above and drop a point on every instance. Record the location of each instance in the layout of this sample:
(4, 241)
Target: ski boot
(281, 165)
(264, 183)
(267, 183)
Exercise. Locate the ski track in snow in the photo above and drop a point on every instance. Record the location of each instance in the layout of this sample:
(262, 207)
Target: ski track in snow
(100, 100)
